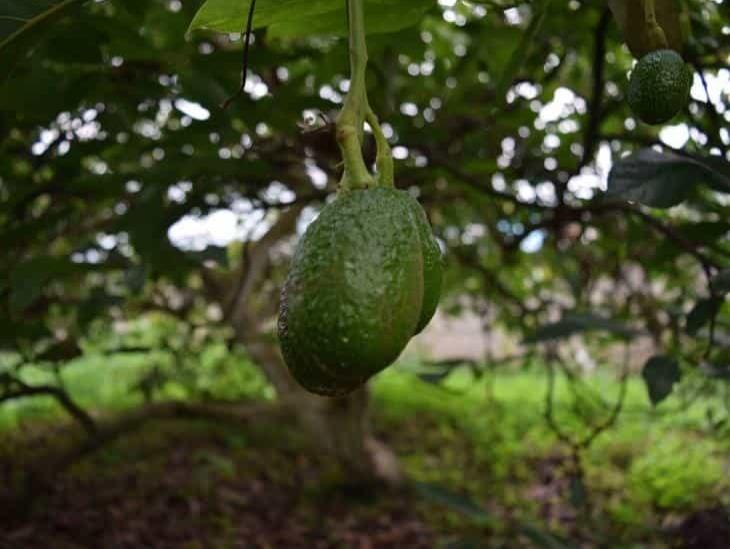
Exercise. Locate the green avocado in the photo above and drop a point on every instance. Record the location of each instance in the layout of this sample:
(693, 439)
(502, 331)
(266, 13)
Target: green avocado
(659, 86)
(354, 294)
(433, 266)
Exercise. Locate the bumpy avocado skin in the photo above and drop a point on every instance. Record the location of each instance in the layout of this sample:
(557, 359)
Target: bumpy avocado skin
(308, 373)
(354, 293)
(433, 266)
(659, 86)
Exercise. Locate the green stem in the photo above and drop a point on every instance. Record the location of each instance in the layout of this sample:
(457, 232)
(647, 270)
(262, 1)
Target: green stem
(656, 34)
(350, 121)
(384, 156)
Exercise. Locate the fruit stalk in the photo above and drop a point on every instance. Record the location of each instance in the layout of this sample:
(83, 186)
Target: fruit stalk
(656, 34)
(384, 156)
(350, 121)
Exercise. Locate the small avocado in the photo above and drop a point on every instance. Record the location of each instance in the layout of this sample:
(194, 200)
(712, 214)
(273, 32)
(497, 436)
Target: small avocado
(659, 86)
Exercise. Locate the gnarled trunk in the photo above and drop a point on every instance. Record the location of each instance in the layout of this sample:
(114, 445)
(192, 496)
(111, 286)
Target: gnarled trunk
(339, 426)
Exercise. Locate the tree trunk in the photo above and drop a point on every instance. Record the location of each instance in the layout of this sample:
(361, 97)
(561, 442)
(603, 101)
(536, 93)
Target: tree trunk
(339, 426)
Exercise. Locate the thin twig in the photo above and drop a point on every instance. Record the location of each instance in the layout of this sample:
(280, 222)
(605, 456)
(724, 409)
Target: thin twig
(245, 270)
(16, 388)
(618, 406)
(244, 64)
(591, 136)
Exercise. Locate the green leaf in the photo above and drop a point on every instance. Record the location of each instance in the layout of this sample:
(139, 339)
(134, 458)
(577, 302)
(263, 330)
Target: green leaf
(231, 15)
(721, 282)
(465, 543)
(717, 365)
(379, 18)
(63, 350)
(11, 332)
(703, 311)
(457, 502)
(28, 279)
(306, 17)
(578, 492)
(542, 538)
(716, 371)
(23, 23)
(664, 179)
(574, 323)
(436, 372)
(135, 278)
(660, 374)
(96, 305)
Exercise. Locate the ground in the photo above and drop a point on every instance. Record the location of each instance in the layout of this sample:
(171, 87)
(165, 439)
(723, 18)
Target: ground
(484, 472)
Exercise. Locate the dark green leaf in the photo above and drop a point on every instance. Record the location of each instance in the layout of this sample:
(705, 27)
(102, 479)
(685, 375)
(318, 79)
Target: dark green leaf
(61, 351)
(436, 372)
(578, 494)
(28, 279)
(721, 282)
(663, 179)
(306, 17)
(378, 17)
(542, 538)
(23, 23)
(660, 374)
(701, 314)
(574, 323)
(705, 231)
(466, 543)
(135, 277)
(716, 371)
(457, 502)
(11, 332)
(97, 305)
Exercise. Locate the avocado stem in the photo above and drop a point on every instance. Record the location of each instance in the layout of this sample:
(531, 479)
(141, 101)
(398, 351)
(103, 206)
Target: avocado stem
(349, 124)
(657, 38)
(384, 156)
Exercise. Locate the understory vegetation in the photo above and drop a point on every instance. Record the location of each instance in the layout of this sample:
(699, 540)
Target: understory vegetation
(481, 459)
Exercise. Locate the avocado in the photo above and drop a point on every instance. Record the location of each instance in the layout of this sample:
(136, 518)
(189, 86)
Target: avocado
(354, 294)
(433, 266)
(659, 86)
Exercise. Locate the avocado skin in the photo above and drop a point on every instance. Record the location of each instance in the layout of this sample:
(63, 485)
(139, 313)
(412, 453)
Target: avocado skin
(354, 293)
(659, 86)
(433, 266)
(308, 373)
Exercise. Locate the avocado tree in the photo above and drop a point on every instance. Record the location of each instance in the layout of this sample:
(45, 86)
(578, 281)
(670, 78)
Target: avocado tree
(503, 120)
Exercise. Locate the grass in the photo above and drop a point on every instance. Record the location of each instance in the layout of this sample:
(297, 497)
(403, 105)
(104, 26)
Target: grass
(482, 444)
(650, 464)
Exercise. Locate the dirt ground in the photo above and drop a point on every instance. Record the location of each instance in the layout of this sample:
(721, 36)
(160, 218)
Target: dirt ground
(199, 485)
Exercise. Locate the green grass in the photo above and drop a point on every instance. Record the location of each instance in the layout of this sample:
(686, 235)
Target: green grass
(651, 462)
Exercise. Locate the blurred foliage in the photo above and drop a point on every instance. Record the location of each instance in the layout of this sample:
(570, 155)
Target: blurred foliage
(672, 476)
(110, 133)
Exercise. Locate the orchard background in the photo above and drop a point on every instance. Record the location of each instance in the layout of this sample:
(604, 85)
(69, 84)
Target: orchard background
(574, 388)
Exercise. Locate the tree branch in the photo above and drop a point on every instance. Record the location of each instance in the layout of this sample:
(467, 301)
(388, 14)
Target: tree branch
(591, 137)
(15, 388)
